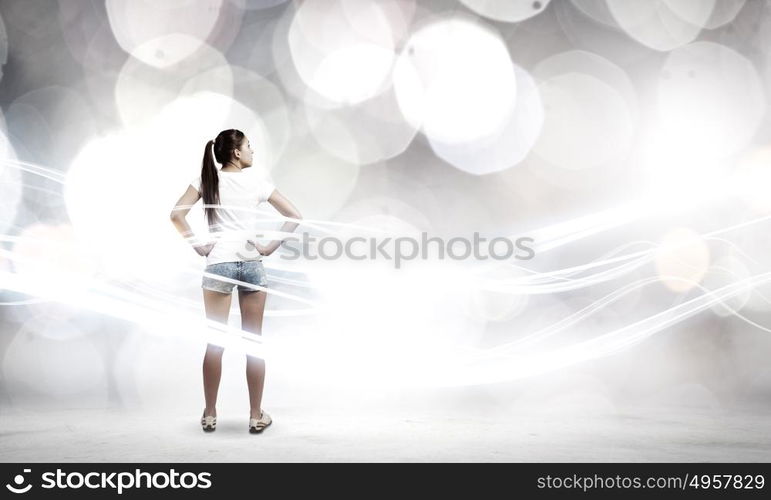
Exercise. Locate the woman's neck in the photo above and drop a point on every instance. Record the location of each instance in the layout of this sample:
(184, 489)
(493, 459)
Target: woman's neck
(232, 167)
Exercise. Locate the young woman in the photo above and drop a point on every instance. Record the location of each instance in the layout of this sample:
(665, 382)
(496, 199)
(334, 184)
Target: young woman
(230, 196)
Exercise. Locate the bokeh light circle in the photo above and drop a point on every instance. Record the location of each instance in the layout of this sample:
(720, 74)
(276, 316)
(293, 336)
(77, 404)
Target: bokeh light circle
(506, 149)
(454, 78)
(571, 141)
(342, 49)
(161, 34)
(511, 11)
(710, 101)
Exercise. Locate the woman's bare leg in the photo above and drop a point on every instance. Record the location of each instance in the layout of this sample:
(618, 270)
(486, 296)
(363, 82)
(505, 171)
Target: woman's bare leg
(252, 306)
(217, 307)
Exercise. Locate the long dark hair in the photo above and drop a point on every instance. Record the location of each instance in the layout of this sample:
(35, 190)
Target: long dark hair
(223, 146)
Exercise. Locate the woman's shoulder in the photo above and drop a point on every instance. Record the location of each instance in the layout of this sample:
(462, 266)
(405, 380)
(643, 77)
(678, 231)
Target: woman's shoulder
(259, 176)
(196, 183)
(263, 185)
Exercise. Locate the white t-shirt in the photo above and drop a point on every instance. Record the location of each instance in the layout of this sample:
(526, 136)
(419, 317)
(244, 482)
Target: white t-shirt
(240, 194)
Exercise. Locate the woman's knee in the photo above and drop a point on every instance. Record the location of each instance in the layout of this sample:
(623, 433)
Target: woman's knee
(214, 349)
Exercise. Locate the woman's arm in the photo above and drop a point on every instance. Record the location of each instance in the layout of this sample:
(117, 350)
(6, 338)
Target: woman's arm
(178, 214)
(285, 208)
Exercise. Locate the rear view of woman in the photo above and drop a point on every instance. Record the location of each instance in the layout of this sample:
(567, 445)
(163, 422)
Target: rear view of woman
(230, 196)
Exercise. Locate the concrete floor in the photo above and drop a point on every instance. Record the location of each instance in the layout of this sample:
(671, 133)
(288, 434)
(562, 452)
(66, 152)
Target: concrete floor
(674, 435)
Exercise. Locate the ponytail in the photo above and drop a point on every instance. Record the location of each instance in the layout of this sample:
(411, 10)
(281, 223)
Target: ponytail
(210, 184)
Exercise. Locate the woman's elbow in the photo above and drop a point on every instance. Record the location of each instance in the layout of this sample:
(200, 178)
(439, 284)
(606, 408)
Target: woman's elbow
(176, 216)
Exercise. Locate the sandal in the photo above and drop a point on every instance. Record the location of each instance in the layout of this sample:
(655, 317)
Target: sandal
(257, 425)
(208, 423)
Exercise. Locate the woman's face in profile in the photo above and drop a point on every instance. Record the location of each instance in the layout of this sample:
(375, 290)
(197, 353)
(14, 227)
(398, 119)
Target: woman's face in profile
(246, 152)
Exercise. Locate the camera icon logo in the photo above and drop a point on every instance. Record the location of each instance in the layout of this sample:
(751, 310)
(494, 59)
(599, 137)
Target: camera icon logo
(18, 481)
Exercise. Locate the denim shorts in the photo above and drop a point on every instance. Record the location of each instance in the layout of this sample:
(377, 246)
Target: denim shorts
(249, 271)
